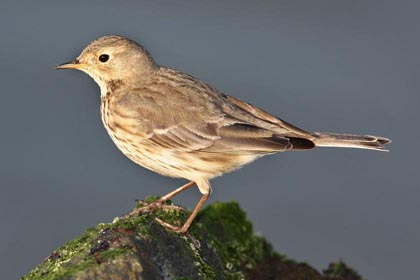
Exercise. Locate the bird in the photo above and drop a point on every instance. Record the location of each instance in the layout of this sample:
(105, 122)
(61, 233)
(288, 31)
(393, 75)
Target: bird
(177, 125)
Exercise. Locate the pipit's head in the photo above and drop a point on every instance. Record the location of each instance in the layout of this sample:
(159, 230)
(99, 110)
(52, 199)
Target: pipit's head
(112, 58)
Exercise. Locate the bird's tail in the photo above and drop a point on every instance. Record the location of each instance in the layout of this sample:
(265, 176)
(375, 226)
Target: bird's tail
(350, 141)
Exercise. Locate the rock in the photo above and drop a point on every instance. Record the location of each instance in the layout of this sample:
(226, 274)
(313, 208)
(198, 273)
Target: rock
(220, 244)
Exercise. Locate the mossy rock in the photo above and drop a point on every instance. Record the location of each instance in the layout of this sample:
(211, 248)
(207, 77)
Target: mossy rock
(220, 244)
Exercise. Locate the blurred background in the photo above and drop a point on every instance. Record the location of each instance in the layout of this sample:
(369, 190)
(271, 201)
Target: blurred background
(338, 66)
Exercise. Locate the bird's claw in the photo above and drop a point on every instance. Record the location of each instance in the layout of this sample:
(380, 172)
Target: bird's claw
(150, 207)
(176, 229)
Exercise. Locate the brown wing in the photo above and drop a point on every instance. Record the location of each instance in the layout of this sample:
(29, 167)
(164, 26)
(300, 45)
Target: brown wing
(299, 139)
(264, 119)
(226, 139)
(184, 121)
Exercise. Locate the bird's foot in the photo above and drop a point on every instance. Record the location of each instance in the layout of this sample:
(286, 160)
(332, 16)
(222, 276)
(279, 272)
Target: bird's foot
(167, 225)
(150, 207)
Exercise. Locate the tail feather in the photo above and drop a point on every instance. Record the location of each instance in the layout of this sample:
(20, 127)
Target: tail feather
(350, 141)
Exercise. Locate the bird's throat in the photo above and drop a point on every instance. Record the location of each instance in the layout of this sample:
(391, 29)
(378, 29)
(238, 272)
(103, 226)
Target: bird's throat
(108, 86)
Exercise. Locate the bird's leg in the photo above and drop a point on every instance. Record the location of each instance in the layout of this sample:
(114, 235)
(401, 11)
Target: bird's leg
(187, 224)
(159, 203)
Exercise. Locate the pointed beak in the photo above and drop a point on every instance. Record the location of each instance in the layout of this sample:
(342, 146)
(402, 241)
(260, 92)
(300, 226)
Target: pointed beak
(73, 64)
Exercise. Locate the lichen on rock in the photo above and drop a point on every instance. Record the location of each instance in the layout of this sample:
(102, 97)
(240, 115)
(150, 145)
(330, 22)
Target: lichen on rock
(221, 244)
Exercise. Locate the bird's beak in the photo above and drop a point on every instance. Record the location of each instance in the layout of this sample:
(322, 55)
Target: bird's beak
(73, 64)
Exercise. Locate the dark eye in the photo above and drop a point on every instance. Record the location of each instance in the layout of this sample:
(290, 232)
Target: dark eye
(103, 58)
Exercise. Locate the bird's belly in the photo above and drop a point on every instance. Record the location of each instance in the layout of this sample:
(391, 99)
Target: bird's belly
(167, 161)
(148, 157)
(173, 163)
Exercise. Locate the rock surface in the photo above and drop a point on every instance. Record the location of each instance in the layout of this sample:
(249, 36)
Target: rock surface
(220, 244)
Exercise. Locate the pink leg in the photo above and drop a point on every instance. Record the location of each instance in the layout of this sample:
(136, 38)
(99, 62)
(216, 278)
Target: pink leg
(190, 219)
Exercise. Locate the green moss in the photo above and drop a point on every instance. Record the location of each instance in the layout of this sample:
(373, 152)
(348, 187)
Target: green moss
(151, 198)
(339, 270)
(113, 253)
(137, 223)
(76, 255)
(66, 260)
(220, 244)
(234, 240)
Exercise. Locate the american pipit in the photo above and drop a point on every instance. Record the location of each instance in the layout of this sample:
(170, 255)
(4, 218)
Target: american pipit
(176, 125)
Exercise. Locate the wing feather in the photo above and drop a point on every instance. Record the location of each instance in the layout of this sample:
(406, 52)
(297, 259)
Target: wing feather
(201, 119)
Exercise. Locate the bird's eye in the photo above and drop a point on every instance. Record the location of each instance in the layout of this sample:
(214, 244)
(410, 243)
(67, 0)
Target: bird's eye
(103, 58)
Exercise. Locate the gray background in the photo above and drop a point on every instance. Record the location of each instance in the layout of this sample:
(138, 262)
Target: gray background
(342, 66)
